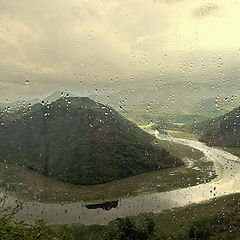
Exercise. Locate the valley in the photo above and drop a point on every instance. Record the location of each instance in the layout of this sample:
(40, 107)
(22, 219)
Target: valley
(205, 174)
(119, 120)
(17, 181)
(154, 202)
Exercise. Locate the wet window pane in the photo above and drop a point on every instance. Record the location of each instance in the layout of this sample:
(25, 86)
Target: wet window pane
(119, 119)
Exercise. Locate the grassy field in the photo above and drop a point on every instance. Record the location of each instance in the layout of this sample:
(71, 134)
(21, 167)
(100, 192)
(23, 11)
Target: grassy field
(30, 185)
(175, 219)
(181, 134)
(172, 133)
(148, 128)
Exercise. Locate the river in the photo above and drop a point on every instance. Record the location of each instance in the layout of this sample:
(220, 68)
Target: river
(226, 165)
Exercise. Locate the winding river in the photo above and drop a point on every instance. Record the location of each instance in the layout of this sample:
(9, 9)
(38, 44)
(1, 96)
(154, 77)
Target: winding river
(226, 165)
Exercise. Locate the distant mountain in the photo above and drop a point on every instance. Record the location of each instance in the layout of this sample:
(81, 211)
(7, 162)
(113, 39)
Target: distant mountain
(25, 103)
(178, 98)
(220, 131)
(56, 95)
(216, 106)
(80, 141)
(15, 109)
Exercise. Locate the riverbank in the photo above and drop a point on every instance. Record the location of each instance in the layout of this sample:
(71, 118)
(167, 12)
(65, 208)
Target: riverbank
(218, 217)
(28, 185)
(228, 182)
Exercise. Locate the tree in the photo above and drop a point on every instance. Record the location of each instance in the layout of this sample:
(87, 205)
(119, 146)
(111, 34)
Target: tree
(127, 229)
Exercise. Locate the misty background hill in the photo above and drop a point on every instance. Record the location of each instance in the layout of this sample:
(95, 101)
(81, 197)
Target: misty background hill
(199, 99)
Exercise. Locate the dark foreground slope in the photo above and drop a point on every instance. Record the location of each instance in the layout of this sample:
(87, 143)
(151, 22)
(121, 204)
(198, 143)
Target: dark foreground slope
(80, 141)
(220, 131)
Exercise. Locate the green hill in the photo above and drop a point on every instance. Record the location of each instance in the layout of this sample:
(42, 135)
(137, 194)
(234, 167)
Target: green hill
(80, 141)
(220, 131)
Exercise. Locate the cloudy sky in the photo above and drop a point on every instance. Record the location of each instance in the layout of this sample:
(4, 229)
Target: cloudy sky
(83, 44)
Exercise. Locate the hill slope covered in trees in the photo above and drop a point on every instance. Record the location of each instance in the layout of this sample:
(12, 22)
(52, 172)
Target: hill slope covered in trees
(220, 131)
(80, 141)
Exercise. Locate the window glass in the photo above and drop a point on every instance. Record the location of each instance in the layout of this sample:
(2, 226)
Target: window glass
(119, 119)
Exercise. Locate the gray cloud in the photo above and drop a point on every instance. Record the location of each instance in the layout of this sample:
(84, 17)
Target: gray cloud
(60, 43)
(205, 10)
(168, 1)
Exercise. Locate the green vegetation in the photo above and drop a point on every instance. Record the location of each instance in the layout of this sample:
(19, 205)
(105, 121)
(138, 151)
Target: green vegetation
(212, 220)
(219, 218)
(221, 131)
(11, 229)
(29, 185)
(149, 128)
(182, 134)
(126, 229)
(169, 128)
(80, 141)
(181, 151)
(159, 117)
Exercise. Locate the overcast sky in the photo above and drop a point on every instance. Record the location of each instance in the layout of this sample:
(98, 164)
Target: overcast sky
(83, 44)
